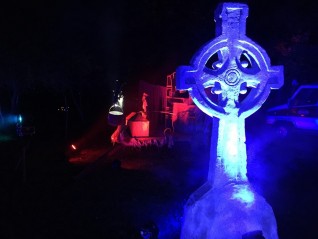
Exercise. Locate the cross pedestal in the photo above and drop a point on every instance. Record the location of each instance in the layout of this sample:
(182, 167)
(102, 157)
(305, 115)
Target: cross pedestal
(238, 72)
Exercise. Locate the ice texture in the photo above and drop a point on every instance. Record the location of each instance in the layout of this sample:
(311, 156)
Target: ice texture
(227, 213)
(229, 66)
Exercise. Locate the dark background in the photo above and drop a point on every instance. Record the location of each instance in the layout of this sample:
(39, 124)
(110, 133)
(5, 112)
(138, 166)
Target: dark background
(78, 52)
(75, 53)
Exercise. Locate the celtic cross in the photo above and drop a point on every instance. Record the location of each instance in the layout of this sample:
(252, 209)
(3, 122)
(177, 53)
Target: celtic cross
(229, 79)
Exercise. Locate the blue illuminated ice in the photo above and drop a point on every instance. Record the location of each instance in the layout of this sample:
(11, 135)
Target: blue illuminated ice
(243, 194)
(227, 206)
(227, 212)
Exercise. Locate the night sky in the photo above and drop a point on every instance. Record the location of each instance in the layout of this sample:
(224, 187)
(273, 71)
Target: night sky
(88, 45)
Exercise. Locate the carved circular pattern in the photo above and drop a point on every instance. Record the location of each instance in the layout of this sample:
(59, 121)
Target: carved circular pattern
(232, 77)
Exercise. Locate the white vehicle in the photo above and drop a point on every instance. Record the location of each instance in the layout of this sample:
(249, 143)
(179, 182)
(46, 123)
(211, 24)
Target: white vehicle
(301, 112)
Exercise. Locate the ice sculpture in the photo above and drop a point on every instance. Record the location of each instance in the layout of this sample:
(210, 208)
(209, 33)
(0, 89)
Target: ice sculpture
(229, 79)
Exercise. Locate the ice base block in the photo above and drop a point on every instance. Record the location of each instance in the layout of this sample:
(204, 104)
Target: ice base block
(228, 212)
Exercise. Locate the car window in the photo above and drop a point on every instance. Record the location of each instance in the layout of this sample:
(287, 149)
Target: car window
(306, 96)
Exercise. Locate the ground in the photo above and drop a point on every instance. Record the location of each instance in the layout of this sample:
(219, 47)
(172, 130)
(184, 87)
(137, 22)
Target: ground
(120, 189)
